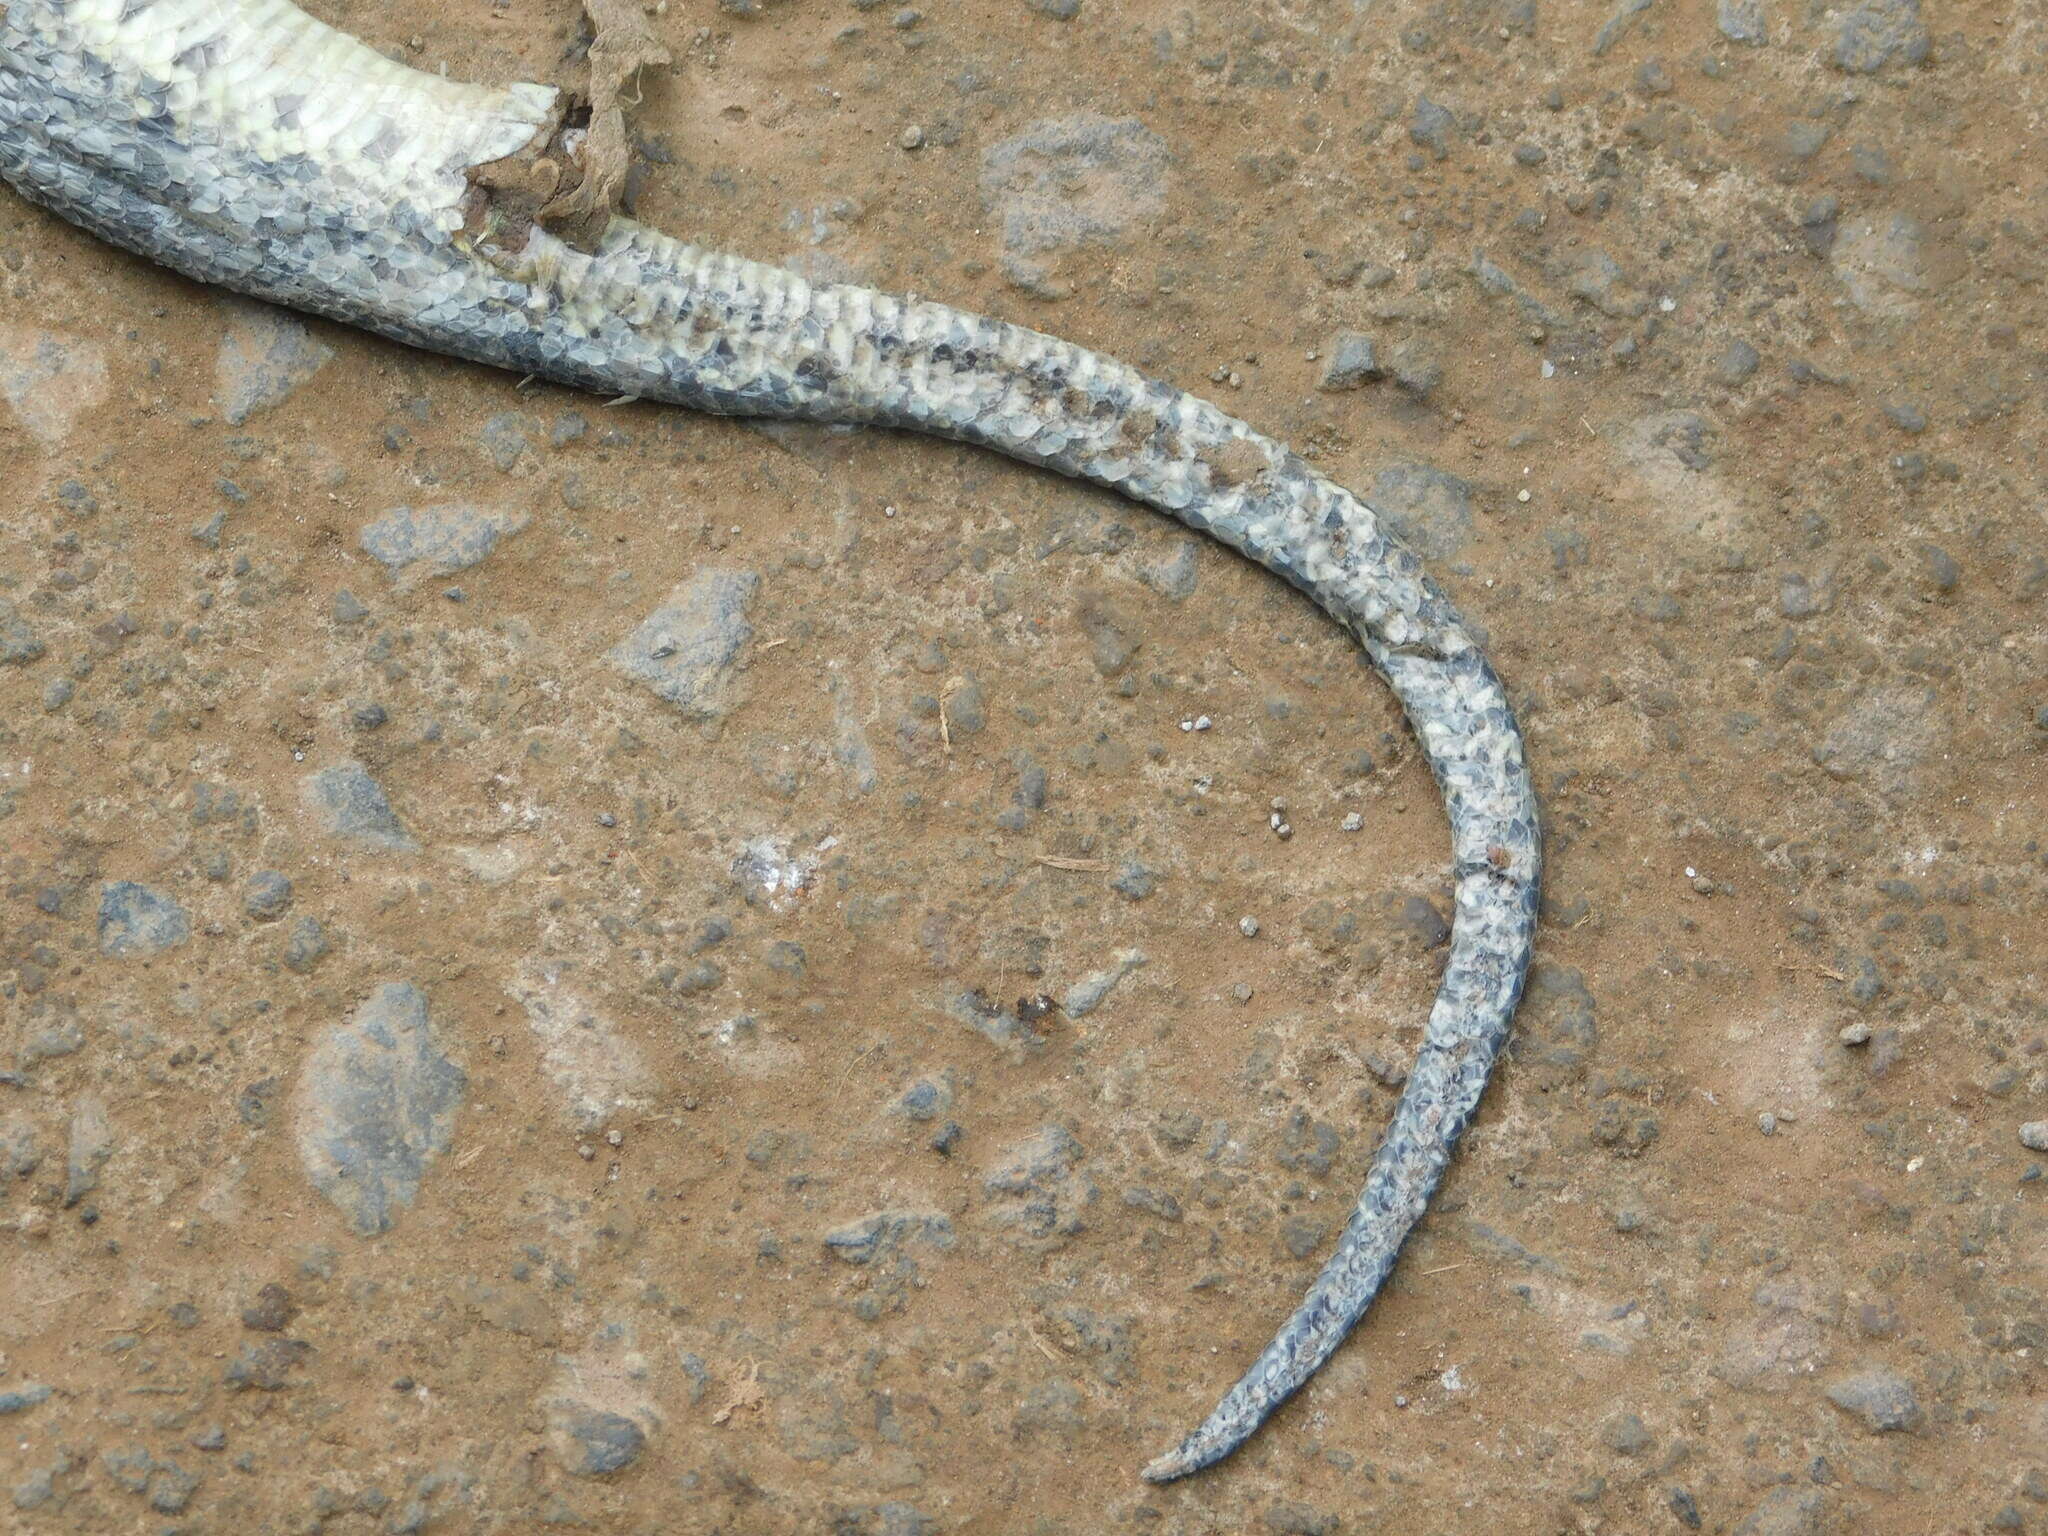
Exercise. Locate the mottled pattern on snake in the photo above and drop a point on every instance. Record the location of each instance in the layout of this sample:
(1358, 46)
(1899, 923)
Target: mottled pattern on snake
(247, 145)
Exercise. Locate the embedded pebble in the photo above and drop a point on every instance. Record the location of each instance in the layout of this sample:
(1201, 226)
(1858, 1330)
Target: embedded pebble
(137, 922)
(437, 540)
(590, 1442)
(1883, 1400)
(265, 354)
(19, 644)
(2034, 1135)
(687, 651)
(1087, 994)
(377, 1107)
(351, 805)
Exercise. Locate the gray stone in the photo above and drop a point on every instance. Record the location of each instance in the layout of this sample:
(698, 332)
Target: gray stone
(1350, 363)
(1883, 1400)
(1087, 994)
(265, 354)
(590, 1442)
(18, 643)
(437, 541)
(266, 895)
(873, 1237)
(351, 805)
(1738, 362)
(687, 651)
(1616, 25)
(1430, 509)
(1625, 1435)
(1882, 262)
(1884, 737)
(1742, 21)
(1037, 1188)
(1174, 577)
(377, 1106)
(1069, 183)
(306, 946)
(1880, 32)
(1597, 277)
(1058, 10)
(504, 439)
(2034, 1135)
(136, 922)
(1431, 127)
(348, 608)
(21, 1399)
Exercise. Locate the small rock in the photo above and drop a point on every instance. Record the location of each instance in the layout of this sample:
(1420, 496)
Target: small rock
(2034, 1135)
(1742, 21)
(1882, 1400)
(437, 541)
(18, 643)
(1625, 1435)
(1738, 362)
(377, 1107)
(1431, 127)
(687, 651)
(266, 895)
(589, 1442)
(1880, 32)
(306, 946)
(265, 354)
(504, 440)
(271, 1311)
(136, 922)
(21, 1399)
(1350, 363)
(1086, 995)
(351, 805)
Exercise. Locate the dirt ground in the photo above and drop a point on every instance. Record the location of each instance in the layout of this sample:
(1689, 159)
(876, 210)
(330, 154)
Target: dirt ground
(526, 1011)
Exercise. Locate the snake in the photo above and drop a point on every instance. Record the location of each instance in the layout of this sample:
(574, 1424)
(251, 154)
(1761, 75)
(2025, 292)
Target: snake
(248, 145)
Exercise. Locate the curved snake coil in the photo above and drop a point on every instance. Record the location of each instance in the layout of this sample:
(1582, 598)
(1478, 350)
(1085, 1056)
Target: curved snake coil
(242, 143)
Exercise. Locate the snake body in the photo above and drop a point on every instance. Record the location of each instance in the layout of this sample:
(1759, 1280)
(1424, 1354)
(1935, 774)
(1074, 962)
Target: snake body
(245, 144)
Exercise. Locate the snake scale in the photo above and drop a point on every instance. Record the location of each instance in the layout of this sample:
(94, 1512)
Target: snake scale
(245, 144)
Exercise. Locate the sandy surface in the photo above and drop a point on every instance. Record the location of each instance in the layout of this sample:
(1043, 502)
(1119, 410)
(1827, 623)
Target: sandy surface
(453, 1085)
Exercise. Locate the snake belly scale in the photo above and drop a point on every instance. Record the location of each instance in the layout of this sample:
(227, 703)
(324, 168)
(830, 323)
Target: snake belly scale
(243, 143)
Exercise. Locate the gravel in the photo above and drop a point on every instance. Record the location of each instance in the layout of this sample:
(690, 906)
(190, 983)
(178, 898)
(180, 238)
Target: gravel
(266, 895)
(1350, 362)
(265, 354)
(590, 1442)
(435, 541)
(1881, 1399)
(688, 650)
(351, 805)
(377, 1107)
(137, 922)
(19, 644)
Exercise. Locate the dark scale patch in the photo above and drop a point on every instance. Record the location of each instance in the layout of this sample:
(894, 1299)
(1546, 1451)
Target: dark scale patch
(816, 371)
(197, 58)
(130, 9)
(387, 143)
(286, 109)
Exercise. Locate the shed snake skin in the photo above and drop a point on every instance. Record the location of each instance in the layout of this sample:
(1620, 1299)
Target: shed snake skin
(244, 144)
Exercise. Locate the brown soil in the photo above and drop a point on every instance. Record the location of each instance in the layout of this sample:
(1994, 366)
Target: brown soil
(1775, 620)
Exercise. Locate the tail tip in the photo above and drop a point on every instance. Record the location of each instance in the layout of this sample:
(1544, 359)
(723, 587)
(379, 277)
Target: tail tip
(1176, 1463)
